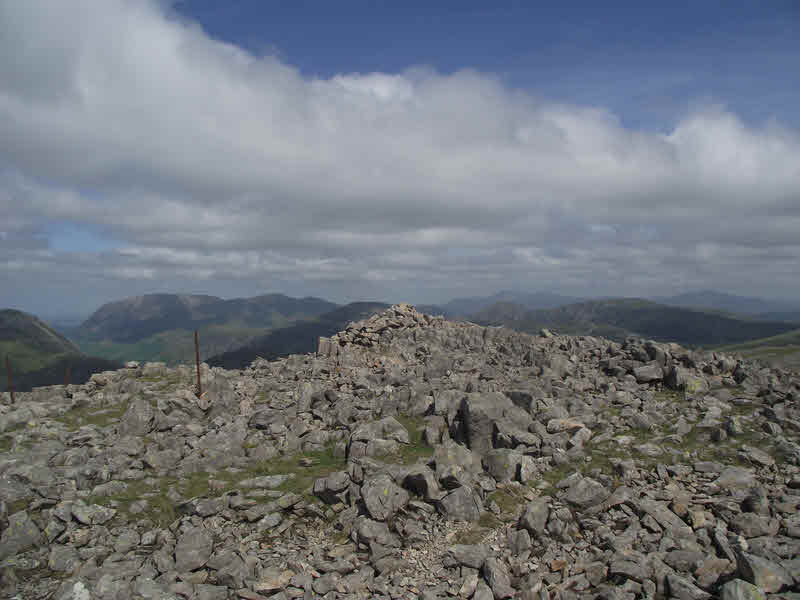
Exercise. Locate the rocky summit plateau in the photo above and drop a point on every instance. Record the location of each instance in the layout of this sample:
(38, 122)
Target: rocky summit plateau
(410, 457)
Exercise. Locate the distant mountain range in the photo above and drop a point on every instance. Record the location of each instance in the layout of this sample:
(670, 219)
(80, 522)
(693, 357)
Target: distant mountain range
(461, 307)
(740, 305)
(234, 332)
(621, 317)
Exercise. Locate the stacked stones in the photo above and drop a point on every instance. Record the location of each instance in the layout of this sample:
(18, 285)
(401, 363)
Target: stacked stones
(465, 462)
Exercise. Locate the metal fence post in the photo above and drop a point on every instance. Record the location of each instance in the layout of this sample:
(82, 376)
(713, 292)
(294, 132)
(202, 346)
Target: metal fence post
(197, 362)
(10, 384)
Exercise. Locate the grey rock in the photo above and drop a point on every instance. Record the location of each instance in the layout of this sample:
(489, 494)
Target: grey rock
(193, 549)
(765, 574)
(421, 480)
(586, 492)
(683, 589)
(648, 373)
(382, 497)
(469, 555)
(502, 464)
(462, 504)
(740, 590)
(21, 534)
(534, 517)
(498, 578)
(138, 419)
(482, 591)
(63, 558)
(736, 478)
(671, 522)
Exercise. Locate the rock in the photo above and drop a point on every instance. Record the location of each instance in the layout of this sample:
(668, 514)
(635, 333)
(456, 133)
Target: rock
(138, 419)
(502, 464)
(740, 590)
(765, 574)
(648, 373)
(21, 534)
(534, 516)
(422, 481)
(736, 478)
(382, 497)
(462, 504)
(469, 555)
(683, 589)
(387, 428)
(497, 577)
(586, 492)
(74, 590)
(672, 524)
(193, 549)
(369, 531)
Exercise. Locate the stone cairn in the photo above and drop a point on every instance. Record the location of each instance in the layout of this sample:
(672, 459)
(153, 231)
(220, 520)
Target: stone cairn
(410, 457)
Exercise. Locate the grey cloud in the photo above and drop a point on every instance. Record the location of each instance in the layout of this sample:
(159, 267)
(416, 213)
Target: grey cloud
(211, 165)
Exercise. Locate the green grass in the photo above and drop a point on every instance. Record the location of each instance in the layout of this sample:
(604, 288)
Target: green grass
(91, 415)
(175, 346)
(508, 498)
(6, 443)
(416, 449)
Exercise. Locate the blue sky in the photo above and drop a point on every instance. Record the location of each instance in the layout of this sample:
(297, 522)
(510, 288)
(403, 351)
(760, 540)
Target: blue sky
(400, 151)
(646, 61)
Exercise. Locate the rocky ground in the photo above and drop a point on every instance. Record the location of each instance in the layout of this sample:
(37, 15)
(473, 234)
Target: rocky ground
(411, 457)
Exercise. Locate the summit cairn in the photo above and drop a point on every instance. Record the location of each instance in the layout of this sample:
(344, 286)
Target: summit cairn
(410, 457)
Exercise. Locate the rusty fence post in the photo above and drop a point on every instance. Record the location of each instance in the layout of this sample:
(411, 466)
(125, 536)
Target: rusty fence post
(10, 384)
(197, 362)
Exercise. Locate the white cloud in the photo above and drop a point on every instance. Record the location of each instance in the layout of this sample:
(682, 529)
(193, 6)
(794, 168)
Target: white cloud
(208, 163)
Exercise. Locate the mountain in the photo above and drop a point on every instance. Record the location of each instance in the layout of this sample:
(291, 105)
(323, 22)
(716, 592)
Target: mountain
(134, 319)
(29, 342)
(39, 355)
(621, 317)
(742, 305)
(530, 300)
(298, 338)
(160, 327)
(792, 316)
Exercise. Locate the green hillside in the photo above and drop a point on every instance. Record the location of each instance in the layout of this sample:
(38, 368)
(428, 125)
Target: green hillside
(620, 317)
(30, 343)
(39, 355)
(160, 327)
(779, 350)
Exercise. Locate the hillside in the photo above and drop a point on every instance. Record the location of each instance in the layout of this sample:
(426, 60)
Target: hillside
(619, 318)
(160, 327)
(295, 339)
(780, 350)
(411, 457)
(29, 342)
(460, 307)
(719, 301)
(40, 356)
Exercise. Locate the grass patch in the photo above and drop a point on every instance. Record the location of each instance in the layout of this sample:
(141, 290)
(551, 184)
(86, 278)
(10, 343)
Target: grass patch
(508, 498)
(416, 449)
(88, 415)
(476, 533)
(160, 509)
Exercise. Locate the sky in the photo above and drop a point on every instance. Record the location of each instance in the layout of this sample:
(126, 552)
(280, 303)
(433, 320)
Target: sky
(410, 151)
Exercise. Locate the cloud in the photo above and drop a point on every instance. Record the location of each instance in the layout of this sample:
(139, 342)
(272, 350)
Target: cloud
(208, 164)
